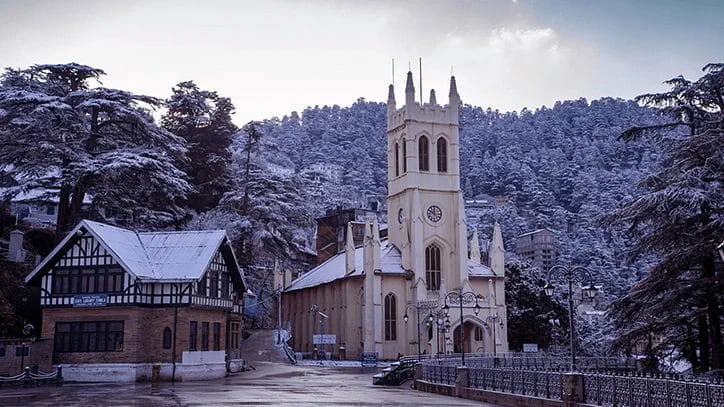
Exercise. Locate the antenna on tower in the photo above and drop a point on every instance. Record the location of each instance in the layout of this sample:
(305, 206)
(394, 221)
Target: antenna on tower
(421, 102)
(451, 70)
(393, 72)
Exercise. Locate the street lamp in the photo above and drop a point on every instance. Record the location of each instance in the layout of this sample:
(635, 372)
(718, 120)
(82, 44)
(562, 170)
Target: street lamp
(438, 319)
(406, 318)
(570, 274)
(460, 298)
(492, 322)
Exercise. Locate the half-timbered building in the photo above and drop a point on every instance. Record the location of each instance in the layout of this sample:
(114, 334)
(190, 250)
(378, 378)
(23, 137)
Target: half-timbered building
(114, 296)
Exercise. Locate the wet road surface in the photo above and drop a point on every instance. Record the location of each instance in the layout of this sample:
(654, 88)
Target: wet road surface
(271, 384)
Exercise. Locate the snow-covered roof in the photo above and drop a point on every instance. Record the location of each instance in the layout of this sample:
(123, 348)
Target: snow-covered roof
(183, 255)
(532, 232)
(391, 263)
(39, 194)
(476, 269)
(334, 268)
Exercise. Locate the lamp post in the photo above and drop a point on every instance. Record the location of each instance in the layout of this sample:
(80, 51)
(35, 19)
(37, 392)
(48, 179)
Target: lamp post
(461, 298)
(405, 318)
(436, 318)
(570, 274)
(492, 321)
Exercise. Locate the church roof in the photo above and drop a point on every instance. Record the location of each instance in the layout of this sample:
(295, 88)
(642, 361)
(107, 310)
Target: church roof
(183, 255)
(335, 267)
(391, 263)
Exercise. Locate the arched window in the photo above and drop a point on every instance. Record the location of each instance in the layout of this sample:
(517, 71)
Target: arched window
(423, 147)
(167, 338)
(441, 155)
(432, 267)
(390, 317)
(404, 155)
(478, 333)
(397, 160)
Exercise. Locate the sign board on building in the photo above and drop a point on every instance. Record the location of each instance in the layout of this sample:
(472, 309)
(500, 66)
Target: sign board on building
(90, 300)
(324, 339)
(530, 347)
(369, 359)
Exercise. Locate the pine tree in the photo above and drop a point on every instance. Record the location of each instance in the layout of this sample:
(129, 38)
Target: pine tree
(203, 119)
(59, 132)
(679, 219)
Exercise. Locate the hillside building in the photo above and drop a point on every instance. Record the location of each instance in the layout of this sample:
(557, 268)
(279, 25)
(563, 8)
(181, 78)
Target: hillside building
(538, 246)
(366, 290)
(115, 302)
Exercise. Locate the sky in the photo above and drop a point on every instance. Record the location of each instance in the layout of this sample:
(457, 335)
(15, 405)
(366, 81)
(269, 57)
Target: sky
(272, 57)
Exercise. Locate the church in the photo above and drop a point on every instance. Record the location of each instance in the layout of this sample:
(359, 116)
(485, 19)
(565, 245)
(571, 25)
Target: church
(399, 292)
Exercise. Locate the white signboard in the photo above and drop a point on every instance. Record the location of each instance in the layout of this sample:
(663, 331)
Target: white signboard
(530, 347)
(326, 339)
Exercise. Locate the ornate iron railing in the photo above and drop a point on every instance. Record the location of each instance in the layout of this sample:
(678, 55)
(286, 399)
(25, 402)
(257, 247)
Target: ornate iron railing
(439, 373)
(605, 390)
(638, 391)
(530, 383)
(550, 363)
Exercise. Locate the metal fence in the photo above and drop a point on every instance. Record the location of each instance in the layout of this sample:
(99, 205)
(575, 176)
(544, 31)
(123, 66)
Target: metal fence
(31, 377)
(438, 373)
(530, 383)
(598, 389)
(637, 391)
(527, 362)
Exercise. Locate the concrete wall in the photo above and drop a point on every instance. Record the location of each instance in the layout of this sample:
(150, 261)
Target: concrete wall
(141, 372)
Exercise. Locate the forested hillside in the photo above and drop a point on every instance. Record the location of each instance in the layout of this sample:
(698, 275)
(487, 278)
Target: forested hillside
(560, 167)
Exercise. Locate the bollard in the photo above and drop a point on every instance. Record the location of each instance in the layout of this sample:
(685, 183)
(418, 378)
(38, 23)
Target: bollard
(461, 383)
(59, 376)
(156, 373)
(572, 389)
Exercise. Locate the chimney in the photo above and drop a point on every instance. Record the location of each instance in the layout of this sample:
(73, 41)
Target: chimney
(15, 249)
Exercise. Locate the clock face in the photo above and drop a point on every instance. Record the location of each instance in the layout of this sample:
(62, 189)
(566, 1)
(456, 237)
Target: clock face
(400, 216)
(434, 213)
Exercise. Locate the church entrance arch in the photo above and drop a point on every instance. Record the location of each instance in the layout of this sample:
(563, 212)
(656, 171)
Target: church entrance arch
(473, 337)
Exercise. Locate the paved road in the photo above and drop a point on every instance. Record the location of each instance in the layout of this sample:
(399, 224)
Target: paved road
(272, 384)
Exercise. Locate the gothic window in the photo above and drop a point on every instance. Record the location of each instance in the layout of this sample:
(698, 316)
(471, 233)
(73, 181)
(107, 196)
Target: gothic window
(432, 267)
(441, 155)
(167, 338)
(423, 147)
(397, 160)
(478, 333)
(390, 317)
(404, 155)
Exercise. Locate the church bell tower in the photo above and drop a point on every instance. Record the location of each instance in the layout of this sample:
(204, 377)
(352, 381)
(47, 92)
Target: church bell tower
(426, 218)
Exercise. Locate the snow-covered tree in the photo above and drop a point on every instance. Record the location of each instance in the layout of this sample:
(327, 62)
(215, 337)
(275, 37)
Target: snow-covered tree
(203, 119)
(679, 218)
(59, 132)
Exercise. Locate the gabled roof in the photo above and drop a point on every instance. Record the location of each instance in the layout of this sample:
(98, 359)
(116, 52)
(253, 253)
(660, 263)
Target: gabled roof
(183, 255)
(334, 268)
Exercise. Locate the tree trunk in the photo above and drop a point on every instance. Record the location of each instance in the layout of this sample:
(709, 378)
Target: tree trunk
(63, 212)
(713, 313)
(689, 349)
(703, 343)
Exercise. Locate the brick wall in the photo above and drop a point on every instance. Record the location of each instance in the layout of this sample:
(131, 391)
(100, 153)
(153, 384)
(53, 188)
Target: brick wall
(143, 331)
(39, 354)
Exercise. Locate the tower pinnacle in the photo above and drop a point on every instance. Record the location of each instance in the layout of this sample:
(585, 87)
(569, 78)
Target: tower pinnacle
(453, 95)
(409, 90)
